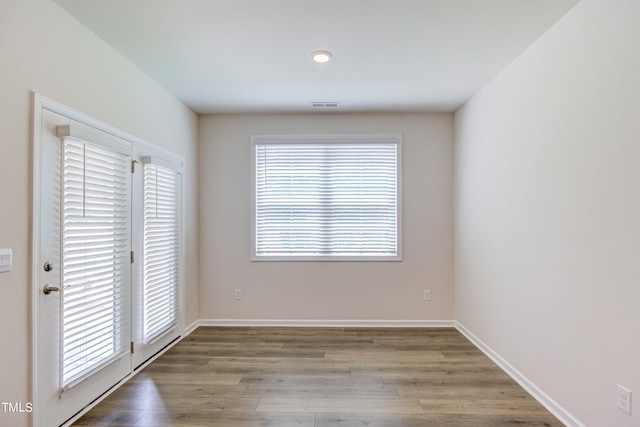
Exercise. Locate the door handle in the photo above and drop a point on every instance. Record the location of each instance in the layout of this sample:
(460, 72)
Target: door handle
(48, 289)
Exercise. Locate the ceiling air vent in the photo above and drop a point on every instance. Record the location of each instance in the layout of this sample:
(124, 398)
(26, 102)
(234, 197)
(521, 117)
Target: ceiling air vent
(323, 105)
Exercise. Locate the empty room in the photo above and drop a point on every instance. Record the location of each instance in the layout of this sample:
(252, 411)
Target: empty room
(320, 213)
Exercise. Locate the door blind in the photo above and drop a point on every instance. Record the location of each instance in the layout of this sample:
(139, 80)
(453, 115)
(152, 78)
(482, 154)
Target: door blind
(161, 228)
(95, 258)
(326, 199)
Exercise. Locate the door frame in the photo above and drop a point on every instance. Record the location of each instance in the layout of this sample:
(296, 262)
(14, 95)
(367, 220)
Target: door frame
(40, 103)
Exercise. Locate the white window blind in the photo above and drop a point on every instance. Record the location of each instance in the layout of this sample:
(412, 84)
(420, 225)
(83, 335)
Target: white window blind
(337, 197)
(95, 258)
(161, 256)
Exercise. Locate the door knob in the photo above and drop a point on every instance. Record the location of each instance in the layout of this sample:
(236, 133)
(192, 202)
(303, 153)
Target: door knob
(48, 289)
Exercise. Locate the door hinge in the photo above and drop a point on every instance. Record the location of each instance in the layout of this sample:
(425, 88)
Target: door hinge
(132, 347)
(133, 166)
(132, 257)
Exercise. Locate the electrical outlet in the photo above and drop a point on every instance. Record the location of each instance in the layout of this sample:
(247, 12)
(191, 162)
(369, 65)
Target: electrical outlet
(623, 399)
(238, 294)
(427, 295)
(5, 260)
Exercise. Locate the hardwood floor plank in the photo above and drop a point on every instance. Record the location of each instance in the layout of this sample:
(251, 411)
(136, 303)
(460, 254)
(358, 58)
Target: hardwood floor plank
(184, 359)
(481, 406)
(266, 361)
(203, 403)
(538, 420)
(420, 371)
(321, 370)
(431, 381)
(192, 378)
(370, 406)
(261, 352)
(381, 356)
(193, 349)
(310, 380)
(462, 392)
(110, 417)
(322, 391)
(424, 420)
(226, 419)
(338, 346)
(150, 389)
(162, 367)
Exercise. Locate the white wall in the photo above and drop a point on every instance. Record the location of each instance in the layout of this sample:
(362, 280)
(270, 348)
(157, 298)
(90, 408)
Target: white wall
(547, 211)
(43, 49)
(326, 290)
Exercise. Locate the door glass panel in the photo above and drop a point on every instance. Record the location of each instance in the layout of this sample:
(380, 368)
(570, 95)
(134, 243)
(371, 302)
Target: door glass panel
(95, 218)
(161, 228)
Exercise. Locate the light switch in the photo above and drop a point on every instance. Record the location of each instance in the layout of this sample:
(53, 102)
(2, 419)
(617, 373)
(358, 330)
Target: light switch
(6, 261)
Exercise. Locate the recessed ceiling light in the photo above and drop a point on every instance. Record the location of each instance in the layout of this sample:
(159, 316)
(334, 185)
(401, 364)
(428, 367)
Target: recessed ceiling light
(321, 56)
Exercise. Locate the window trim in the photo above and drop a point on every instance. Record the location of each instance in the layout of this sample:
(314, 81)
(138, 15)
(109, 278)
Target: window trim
(329, 139)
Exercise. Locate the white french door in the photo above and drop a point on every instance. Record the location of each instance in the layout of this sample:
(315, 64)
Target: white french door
(83, 268)
(107, 257)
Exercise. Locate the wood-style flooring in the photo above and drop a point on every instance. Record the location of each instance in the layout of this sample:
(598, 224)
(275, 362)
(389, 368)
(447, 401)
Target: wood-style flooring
(321, 377)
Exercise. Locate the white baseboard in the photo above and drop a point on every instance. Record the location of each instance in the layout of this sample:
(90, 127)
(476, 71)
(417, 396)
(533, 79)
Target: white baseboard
(329, 323)
(545, 400)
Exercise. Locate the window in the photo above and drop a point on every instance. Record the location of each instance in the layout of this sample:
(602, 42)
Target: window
(326, 197)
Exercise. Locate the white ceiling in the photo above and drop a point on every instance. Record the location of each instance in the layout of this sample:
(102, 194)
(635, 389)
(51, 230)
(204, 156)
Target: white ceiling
(255, 55)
